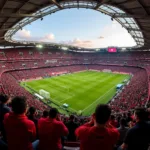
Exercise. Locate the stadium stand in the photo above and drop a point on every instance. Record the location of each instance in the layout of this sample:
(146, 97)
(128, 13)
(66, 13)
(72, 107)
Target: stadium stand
(16, 68)
(122, 124)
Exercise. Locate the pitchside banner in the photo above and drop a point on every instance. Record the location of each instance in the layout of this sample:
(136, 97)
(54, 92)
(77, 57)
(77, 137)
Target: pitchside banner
(38, 78)
(57, 73)
(120, 72)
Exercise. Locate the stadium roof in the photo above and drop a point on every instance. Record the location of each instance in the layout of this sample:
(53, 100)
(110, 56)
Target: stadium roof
(134, 15)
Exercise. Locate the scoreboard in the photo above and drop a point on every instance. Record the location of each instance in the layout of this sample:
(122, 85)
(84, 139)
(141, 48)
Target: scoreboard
(112, 50)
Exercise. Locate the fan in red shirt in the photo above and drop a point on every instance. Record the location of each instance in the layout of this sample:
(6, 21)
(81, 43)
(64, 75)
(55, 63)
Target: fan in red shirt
(50, 131)
(97, 134)
(20, 131)
(45, 115)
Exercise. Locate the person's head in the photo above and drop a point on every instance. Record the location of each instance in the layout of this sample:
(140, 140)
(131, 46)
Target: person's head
(32, 110)
(140, 114)
(123, 122)
(19, 105)
(53, 113)
(71, 117)
(102, 114)
(4, 98)
(45, 113)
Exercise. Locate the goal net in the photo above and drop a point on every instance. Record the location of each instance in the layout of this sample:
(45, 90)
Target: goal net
(44, 93)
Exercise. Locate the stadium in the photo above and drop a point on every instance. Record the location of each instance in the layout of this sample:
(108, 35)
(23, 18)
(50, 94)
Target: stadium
(69, 76)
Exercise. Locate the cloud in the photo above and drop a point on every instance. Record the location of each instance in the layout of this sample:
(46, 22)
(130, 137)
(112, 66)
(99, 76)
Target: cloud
(50, 36)
(101, 37)
(114, 35)
(26, 35)
(47, 38)
(111, 35)
(79, 43)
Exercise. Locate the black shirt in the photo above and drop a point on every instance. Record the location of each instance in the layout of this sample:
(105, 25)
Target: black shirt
(3, 110)
(138, 137)
(32, 118)
(122, 131)
(71, 125)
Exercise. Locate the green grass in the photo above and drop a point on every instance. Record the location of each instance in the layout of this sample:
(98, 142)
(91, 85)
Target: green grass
(82, 90)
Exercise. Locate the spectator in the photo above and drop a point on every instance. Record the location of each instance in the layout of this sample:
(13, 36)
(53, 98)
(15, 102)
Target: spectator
(3, 145)
(71, 125)
(20, 131)
(31, 116)
(3, 110)
(98, 134)
(129, 118)
(45, 115)
(50, 131)
(131, 124)
(122, 130)
(113, 121)
(138, 137)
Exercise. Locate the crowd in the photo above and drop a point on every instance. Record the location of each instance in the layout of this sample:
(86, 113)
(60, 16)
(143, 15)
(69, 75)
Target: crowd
(22, 125)
(43, 72)
(11, 87)
(28, 53)
(21, 129)
(134, 94)
(31, 58)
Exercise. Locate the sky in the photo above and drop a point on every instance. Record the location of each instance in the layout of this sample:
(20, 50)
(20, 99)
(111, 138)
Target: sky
(78, 27)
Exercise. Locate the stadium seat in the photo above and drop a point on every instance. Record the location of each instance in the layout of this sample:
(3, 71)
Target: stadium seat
(71, 145)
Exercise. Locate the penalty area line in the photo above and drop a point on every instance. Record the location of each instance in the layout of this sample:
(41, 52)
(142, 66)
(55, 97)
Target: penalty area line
(98, 99)
(65, 99)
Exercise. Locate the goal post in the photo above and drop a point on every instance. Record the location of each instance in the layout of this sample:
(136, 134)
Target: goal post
(44, 93)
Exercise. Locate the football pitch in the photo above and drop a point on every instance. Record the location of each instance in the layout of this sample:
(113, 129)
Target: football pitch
(82, 91)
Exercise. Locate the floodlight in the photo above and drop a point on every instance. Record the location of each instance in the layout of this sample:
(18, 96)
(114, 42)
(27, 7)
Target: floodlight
(64, 48)
(39, 46)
